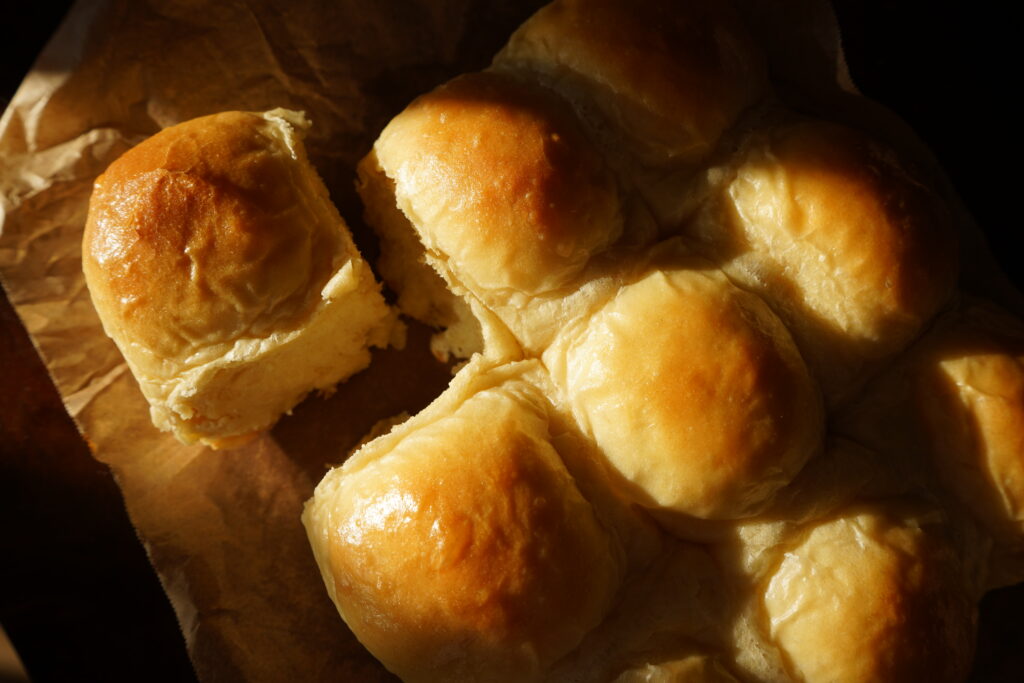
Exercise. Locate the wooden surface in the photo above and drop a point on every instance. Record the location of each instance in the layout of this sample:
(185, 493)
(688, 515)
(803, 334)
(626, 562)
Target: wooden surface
(77, 596)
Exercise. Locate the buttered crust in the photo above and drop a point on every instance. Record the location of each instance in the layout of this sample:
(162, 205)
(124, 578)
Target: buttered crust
(507, 583)
(696, 291)
(222, 270)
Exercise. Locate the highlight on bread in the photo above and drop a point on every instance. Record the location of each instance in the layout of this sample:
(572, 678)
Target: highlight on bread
(694, 392)
(871, 596)
(508, 198)
(458, 547)
(726, 414)
(825, 224)
(221, 269)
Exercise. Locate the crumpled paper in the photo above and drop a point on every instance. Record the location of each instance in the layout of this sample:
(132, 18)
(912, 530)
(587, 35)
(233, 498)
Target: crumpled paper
(222, 528)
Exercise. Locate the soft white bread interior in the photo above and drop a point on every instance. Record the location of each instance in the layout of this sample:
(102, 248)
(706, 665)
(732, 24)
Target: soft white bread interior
(422, 294)
(225, 275)
(517, 568)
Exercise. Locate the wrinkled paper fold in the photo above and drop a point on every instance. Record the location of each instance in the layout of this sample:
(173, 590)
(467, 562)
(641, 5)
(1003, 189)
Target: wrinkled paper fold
(222, 528)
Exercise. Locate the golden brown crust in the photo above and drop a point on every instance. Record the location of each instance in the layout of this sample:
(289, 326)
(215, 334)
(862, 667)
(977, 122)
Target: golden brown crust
(869, 597)
(501, 184)
(463, 550)
(186, 228)
(854, 255)
(685, 392)
(216, 261)
(695, 393)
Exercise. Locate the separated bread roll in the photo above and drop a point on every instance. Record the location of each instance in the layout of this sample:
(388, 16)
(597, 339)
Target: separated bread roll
(458, 547)
(846, 246)
(225, 275)
(869, 596)
(693, 391)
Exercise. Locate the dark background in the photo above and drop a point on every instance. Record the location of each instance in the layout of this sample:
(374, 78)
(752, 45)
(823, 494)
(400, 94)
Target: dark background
(77, 596)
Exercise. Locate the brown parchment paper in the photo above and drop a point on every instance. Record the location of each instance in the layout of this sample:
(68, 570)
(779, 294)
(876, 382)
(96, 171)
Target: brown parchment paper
(222, 528)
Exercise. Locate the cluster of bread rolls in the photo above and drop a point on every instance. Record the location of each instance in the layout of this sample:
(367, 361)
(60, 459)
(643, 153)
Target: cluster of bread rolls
(725, 413)
(727, 416)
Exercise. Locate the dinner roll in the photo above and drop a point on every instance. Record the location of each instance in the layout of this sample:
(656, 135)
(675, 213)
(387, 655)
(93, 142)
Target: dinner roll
(668, 77)
(870, 597)
(500, 182)
(218, 264)
(698, 399)
(694, 392)
(970, 390)
(458, 547)
(845, 245)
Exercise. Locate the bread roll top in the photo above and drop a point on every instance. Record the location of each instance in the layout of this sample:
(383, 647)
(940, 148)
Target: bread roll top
(871, 596)
(209, 231)
(969, 389)
(218, 264)
(693, 391)
(501, 184)
(668, 79)
(847, 247)
(459, 548)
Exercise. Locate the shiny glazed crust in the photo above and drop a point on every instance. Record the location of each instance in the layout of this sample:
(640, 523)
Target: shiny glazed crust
(508, 583)
(696, 293)
(219, 266)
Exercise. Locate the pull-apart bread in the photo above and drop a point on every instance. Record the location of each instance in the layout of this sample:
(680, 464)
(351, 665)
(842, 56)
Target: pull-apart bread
(725, 411)
(226, 276)
(726, 414)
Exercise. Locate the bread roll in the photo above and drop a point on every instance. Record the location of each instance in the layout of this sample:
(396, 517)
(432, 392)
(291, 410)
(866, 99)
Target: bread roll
(848, 248)
(231, 285)
(694, 392)
(969, 386)
(458, 547)
(868, 596)
(503, 190)
(658, 81)
(680, 296)
(502, 182)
